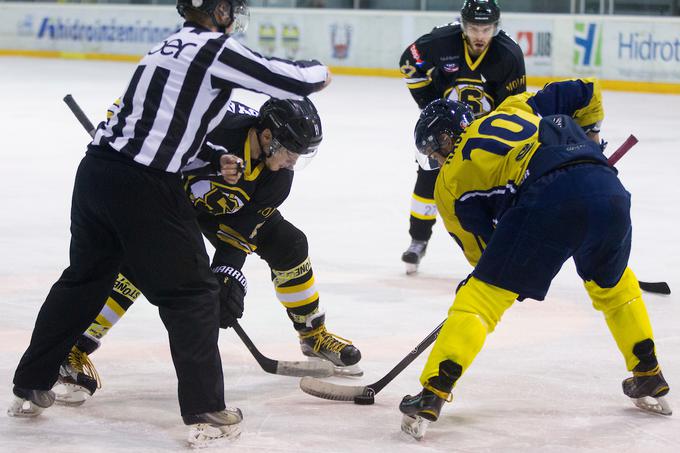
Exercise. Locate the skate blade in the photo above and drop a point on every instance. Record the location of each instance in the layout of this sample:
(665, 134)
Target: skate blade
(411, 268)
(657, 405)
(203, 435)
(20, 407)
(415, 427)
(70, 394)
(341, 371)
(348, 371)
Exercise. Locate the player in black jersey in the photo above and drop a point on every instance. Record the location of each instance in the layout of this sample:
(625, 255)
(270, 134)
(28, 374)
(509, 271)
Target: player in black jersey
(129, 208)
(239, 219)
(474, 62)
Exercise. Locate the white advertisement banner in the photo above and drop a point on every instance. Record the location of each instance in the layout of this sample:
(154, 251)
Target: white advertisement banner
(613, 48)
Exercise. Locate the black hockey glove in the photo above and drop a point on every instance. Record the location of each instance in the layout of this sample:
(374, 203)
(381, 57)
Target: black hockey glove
(233, 289)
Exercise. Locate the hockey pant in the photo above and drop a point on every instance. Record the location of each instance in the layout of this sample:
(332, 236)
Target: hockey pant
(281, 245)
(423, 207)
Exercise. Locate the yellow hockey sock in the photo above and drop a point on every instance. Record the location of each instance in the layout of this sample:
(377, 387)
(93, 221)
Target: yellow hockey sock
(476, 310)
(625, 313)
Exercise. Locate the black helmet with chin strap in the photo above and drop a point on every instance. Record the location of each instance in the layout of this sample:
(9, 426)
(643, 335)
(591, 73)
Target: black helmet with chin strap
(294, 124)
(238, 11)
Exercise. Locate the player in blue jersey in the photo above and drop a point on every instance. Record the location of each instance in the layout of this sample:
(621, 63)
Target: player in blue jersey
(521, 191)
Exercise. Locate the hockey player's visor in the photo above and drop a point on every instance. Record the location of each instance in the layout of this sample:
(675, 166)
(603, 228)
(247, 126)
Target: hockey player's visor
(425, 153)
(241, 19)
(427, 162)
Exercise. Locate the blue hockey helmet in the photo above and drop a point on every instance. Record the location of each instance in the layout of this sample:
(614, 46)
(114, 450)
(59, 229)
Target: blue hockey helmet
(439, 117)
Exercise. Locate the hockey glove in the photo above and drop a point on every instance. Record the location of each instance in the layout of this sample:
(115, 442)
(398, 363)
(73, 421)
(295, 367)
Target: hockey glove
(233, 289)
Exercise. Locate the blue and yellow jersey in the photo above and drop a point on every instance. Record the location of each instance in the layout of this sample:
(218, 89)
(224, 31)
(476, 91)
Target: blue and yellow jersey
(490, 159)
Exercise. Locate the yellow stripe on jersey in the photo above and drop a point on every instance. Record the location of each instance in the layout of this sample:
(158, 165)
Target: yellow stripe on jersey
(250, 173)
(468, 57)
(423, 208)
(234, 238)
(414, 85)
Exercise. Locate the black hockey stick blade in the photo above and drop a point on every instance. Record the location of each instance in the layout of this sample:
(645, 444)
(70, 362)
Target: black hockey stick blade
(79, 114)
(364, 394)
(317, 368)
(655, 287)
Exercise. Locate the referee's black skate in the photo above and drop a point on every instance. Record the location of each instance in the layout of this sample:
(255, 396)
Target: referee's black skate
(413, 255)
(210, 428)
(421, 409)
(29, 403)
(647, 388)
(317, 343)
(78, 378)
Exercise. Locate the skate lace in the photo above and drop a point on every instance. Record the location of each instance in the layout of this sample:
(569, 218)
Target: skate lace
(326, 340)
(82, 364)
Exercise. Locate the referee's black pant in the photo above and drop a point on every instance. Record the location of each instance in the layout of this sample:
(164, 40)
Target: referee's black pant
(123, 212)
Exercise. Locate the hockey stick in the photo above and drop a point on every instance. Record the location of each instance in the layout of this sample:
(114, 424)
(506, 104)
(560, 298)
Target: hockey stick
(316, 368)
(655, 287)
(365, 394)
(320, 368)
(622, 150)
(650, 287)
(79, 114)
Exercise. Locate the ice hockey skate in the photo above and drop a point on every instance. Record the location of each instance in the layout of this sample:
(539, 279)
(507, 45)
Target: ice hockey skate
(648, 389)
(421, 409)
(413, 255)
(213, 428)
(78, 379)
(319, 344)
(29, 403)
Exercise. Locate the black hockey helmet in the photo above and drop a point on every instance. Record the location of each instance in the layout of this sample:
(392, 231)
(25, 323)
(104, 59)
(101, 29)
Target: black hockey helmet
(295, 124)
(441, 116)
(480, 12)
(238, 12)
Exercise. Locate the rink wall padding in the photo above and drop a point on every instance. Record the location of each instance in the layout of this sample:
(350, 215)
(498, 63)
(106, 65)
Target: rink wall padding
(626, 52)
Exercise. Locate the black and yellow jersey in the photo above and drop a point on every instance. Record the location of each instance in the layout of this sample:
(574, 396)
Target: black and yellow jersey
(437, 65)
(497, 153)
(231, 214)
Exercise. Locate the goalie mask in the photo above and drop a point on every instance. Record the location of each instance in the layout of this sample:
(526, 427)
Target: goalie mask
(295, 126)
(441, 117)
(239, 15)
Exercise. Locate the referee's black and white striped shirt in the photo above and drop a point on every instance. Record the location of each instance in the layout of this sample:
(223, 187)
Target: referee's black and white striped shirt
(180, 90)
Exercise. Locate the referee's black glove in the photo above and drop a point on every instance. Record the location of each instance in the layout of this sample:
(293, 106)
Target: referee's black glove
(233, 289)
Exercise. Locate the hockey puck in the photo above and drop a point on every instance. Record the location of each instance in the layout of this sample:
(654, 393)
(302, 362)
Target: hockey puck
(364, 400)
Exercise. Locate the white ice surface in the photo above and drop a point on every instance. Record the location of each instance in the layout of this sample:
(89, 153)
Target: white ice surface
(548, 379)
